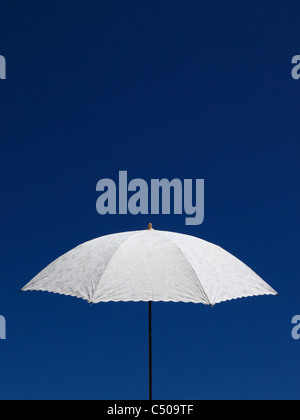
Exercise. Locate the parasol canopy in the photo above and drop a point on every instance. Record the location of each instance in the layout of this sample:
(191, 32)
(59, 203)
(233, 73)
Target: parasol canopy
(150, 265)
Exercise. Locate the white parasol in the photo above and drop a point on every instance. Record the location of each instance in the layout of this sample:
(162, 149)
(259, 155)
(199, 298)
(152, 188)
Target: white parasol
(150, 265)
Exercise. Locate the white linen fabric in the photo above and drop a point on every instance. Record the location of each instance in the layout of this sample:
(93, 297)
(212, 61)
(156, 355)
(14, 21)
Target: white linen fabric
(150, 265)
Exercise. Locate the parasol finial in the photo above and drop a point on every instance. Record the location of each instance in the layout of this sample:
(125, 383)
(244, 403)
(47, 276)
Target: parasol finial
(150, 226)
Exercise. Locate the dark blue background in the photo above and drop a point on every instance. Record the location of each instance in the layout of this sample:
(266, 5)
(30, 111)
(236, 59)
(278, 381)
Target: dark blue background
(160, 89)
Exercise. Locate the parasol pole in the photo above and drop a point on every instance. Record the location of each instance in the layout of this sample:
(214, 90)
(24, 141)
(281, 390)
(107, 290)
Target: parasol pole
(150, 352)
(150, 339)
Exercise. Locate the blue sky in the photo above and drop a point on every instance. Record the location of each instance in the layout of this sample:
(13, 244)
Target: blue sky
(199, 90)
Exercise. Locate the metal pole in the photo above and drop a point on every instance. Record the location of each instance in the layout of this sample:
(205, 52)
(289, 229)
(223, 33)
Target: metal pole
(150, 352)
